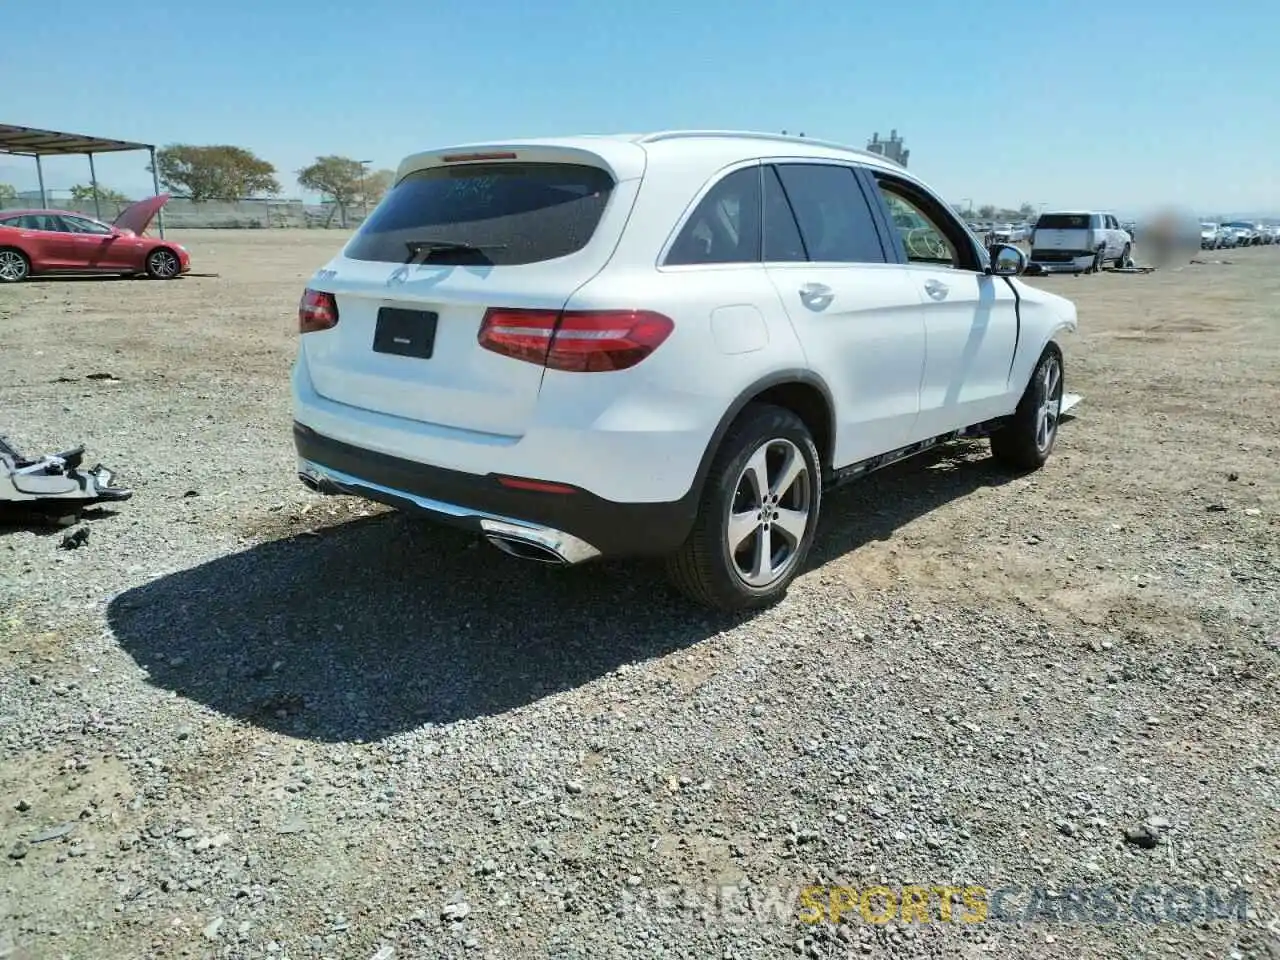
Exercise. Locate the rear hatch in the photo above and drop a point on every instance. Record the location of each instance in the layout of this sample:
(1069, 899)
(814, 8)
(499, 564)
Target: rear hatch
(1063, 232)
(459, 233)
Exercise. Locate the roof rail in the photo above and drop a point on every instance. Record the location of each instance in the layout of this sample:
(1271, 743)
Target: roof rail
(756, 135)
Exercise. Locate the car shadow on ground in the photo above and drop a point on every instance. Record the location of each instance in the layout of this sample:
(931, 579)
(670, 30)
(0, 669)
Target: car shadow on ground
(383, 624)
(77, 277)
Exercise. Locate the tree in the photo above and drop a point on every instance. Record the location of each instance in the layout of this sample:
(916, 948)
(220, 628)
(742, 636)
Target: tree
(337, 177)
(214, 172)
(83, 193)
(987, 212)
(7, 192)
(1026, 211)
(376, 184)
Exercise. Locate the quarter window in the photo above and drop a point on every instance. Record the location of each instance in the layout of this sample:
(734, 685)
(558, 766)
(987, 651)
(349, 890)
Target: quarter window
(725, 226)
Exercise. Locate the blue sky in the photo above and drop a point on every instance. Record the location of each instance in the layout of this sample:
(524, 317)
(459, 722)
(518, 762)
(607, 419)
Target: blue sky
(1120, 105)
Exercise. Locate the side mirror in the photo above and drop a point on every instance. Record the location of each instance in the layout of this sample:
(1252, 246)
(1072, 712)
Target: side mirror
(1007, 261)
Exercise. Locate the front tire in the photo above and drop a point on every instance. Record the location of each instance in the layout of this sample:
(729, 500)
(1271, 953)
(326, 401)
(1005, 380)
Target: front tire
(163, 264)
(757, 516)
(1025, 442)
(14, 266)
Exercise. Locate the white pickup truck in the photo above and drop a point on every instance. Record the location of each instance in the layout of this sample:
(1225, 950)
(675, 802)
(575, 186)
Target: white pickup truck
(1078, 242)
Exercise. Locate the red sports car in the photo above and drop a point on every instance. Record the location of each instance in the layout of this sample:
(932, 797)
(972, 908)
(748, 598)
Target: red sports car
(58, 241)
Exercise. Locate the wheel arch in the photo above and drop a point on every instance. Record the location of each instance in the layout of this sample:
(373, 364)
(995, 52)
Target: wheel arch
(802, 392)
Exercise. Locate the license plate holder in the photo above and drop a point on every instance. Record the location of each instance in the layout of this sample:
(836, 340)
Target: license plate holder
(405, 333)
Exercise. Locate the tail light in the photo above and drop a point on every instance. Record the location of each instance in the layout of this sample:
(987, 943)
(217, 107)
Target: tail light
(583, 341)
(317, 311)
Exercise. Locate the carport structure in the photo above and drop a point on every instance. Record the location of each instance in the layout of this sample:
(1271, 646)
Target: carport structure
(29, 142)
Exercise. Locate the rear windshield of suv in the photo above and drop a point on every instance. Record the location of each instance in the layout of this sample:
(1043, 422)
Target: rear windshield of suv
(1063, 221)
(499, 214)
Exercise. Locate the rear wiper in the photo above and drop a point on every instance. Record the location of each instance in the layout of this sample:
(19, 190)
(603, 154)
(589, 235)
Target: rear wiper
(418, 247)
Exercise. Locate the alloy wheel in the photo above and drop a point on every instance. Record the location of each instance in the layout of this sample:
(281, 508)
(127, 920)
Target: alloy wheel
(770, 513)
(13, 266)
(1050, 404)
(164, 264)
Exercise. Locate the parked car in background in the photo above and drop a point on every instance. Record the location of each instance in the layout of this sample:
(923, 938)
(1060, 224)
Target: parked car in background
(665, 345)
(1010, 233)
(1078, 242)
(1216, 236)
(1246, 232)
(36, 242)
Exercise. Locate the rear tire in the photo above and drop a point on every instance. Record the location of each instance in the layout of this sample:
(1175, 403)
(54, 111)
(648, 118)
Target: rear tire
(14, 265)
(1099, 259)
(1026, 441)
(757, 516)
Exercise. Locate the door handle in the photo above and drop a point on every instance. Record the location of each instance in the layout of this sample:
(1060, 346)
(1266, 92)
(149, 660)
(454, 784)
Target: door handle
(815, 290)
(936, 289)
(816, 296)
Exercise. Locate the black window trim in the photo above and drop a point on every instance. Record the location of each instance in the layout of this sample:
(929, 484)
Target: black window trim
(766, 168)
(880, 212)
(887, 250)
(959, 236)
(711, 184)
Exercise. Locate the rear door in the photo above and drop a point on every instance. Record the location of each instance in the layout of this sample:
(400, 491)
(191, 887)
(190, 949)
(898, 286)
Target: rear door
(52, 247)
(855, 313)
(447, 243)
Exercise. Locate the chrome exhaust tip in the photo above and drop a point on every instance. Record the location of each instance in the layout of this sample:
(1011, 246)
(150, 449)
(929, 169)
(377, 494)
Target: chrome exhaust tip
(526, 550)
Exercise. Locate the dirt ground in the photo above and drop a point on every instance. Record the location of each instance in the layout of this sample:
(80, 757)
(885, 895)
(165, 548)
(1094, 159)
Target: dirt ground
(979, 678)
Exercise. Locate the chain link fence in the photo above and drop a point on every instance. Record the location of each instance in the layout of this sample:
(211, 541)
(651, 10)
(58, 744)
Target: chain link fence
(210, 214)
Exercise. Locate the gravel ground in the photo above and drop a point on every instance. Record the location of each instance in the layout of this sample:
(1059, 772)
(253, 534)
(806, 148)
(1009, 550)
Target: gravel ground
(246, 721)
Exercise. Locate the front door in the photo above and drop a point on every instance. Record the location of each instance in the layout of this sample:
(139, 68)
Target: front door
(97, 246)
(971, 318)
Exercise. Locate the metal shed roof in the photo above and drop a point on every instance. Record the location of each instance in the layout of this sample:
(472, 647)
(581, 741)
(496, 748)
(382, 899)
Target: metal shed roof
(29, 142)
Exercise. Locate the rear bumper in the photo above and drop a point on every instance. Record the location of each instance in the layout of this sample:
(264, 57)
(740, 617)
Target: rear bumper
(1064, 261)
(576, 526)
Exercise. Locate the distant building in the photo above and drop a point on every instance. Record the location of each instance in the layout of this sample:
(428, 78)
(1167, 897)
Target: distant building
(892, 149)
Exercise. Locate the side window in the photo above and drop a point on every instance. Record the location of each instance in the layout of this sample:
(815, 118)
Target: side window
(782, 242)
(81, 225)
(834, 217)
(926, 232)
(42, 221)
(725, 226)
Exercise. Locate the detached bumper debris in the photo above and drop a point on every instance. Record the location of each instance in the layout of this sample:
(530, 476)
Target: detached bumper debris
(53, 485)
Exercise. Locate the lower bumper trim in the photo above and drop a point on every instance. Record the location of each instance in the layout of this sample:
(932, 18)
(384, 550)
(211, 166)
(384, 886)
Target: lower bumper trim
(568, 548)
(574, 526)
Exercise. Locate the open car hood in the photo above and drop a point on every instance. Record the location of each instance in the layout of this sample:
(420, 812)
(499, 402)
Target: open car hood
(138, 216)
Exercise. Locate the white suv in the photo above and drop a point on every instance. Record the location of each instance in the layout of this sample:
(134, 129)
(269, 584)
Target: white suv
(1079, 242)
(662, 345)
